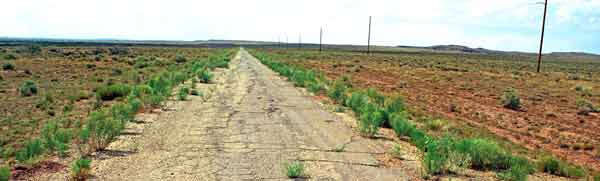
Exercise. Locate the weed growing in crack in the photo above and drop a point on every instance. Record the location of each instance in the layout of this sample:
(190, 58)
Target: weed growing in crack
(340, 148)
(295, 169)
(396, 151)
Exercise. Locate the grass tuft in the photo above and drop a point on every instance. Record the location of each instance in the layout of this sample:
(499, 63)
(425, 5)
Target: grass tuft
(295, 169)
(80, 168)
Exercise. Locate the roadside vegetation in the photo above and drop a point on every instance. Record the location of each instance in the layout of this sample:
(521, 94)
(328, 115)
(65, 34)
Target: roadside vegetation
(82, 122)
(444, 151)
(294, 169)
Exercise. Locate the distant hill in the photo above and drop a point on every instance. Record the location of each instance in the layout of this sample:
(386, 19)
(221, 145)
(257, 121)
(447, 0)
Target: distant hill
(466, 49)
(270, 44)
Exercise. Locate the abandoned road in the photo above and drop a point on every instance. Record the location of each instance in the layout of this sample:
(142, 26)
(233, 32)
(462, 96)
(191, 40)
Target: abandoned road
(248, 125)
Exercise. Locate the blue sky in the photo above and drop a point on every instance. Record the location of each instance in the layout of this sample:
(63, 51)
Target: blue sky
(573, 25)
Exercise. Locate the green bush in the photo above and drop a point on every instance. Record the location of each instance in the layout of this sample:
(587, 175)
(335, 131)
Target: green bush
(155, 100)
(420, 139)
(220, 61)
(4, 173)
(517, 172)
(510, 99)
(30, 151)
(394, 105)
(179, 77)
(356, 101)
(376, 97)
(28, 88)
(442, 158)
(583, 90)
(160, 85)
(315, 87)
(295, 169)
(180, 58)
(80, 169)
(100, 130)
(584, 107)
(399, 122)
(436, 124)
(122, 112)
(371, 118)
(554, 166)
(10, 56)
(111, 92)
(485, 155)
(8, 66)
(55, 138)
(183, 93)
(205, 76)
(337, 92)
(135, 105)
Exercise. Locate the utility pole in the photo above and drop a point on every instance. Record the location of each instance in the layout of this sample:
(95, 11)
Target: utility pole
(542, 39)
(286, 41)
(279, 41)
(369, 38)
(321, 40)
(299, 40)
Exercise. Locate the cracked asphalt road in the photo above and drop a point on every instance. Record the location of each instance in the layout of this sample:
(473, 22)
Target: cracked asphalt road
(250, 123)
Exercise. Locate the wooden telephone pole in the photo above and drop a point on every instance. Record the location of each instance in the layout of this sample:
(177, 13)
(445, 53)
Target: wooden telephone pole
(369, 38)
(542, 39)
